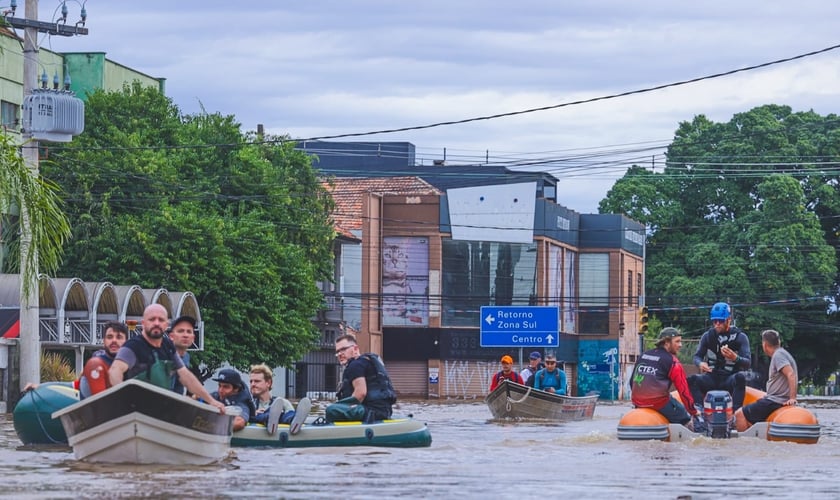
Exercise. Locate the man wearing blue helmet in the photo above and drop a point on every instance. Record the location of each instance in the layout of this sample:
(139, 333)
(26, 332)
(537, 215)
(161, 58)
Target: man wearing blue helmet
(722, 356)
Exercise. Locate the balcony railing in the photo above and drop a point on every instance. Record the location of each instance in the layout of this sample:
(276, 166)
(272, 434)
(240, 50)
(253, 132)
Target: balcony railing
(333, 311)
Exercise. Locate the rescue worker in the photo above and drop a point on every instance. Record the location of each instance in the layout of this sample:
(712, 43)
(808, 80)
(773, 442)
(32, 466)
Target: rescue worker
(656, 370)
(723, 357)
(366, 393)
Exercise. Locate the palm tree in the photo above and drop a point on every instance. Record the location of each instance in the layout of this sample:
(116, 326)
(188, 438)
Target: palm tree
(48, 225)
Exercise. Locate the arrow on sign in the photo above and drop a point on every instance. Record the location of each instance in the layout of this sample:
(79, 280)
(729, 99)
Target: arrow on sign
(549, 338)
(490, 319)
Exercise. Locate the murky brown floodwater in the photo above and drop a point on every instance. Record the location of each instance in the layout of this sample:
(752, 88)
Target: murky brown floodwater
(470, 457)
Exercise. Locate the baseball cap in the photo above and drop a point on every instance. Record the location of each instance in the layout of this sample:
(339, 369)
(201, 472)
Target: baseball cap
(667, 333)
(535, 355)
(183, 319)
(230, 376)
(507, 359)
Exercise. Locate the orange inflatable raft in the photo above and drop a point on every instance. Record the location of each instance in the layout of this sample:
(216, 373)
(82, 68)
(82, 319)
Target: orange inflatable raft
(789, 423)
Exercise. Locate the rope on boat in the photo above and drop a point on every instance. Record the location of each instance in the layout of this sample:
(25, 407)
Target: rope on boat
(38, 410)
(511, 400)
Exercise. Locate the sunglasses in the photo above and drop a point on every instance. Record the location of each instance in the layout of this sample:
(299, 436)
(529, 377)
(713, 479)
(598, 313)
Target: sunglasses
(551, 362)
(342, 349)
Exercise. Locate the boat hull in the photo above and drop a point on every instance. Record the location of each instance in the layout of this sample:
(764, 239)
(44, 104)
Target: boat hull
(32, 415)
(395, 433)
(512, 400)
(136, 422)
(789, 423)
(140, 439)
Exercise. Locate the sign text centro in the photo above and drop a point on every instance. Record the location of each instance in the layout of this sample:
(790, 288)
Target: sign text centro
(519, 326)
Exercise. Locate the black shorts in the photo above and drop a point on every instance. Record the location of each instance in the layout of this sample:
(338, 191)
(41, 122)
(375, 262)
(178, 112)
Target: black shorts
(760, 410)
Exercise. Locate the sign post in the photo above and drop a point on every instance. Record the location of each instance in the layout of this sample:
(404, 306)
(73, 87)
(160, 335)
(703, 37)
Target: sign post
(520, 326)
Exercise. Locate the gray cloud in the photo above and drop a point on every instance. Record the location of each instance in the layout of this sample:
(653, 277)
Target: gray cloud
(331, 67)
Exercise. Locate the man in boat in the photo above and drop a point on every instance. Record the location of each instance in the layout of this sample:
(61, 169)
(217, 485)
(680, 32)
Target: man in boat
(723, 357)
(94, 378)
(505, 373)
(151, 356)
(270, 410)
(656, 370)
(182, 334)
(551, 378)
(232, 392)
(534, 365)
(366, 393)
(781, 384)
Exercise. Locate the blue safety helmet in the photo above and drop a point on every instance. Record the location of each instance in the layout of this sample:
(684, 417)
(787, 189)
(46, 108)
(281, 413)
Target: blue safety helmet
(720, 311)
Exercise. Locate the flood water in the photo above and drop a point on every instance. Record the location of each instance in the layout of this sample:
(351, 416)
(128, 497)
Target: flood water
(470, 457)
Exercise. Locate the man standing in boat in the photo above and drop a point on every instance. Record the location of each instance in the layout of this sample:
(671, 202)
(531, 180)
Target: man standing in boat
(506, 372)
(656, 370)
(182, 335)
(150, 355)
(781, 384)
(723, 356)
(366, 393)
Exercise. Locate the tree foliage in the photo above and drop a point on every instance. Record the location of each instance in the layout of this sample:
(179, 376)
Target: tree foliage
(47, 223)
(193, 203)
(746, 212)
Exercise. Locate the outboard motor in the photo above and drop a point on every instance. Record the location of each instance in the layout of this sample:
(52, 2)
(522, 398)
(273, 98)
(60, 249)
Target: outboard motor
(717, 412)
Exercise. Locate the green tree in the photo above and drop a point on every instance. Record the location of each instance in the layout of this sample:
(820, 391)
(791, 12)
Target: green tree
(192, 203)
(747, 212)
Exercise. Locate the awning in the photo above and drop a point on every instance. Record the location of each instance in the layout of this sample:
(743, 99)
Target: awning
(10, 323)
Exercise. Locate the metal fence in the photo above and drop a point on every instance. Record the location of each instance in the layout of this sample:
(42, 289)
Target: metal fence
(316, 380)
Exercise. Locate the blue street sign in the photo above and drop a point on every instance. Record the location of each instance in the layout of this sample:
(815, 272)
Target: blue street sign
(520, 326)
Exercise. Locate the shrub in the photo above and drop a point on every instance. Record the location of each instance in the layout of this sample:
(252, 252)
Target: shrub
(56, 368)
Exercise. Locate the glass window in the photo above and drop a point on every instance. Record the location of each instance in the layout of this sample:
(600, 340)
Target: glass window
(479, 274)
(10, 113)
(594, 293)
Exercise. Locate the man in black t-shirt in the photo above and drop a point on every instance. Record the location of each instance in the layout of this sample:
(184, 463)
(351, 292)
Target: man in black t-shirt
(143, 355)
(366, 393)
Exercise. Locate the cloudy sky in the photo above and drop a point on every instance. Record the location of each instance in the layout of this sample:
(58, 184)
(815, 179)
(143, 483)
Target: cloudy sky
(323, 68)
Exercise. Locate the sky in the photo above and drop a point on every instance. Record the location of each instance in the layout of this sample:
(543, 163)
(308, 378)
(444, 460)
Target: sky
(323, 68)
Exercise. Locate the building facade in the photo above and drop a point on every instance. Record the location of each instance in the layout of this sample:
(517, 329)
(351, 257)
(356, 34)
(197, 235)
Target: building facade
(88, 71)
(430, 249)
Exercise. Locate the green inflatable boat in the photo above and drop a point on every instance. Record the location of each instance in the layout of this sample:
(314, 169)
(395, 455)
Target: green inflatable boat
(33, 414)
(34, 425)
(396, 433)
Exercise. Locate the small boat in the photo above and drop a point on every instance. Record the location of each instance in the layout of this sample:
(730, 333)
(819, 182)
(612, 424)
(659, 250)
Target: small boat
(32, 415)
(397, 432)
(788, 423)
(513, 400)
(139, 423)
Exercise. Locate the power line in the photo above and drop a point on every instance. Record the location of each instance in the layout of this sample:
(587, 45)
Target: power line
(581, 101)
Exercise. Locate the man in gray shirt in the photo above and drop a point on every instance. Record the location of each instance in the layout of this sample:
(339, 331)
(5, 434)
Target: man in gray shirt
(781, 384)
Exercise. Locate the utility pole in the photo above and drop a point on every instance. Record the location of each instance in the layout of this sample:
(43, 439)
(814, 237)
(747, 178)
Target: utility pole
(30, 337)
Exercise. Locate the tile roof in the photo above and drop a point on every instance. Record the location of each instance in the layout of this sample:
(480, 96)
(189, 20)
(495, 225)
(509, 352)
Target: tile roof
(348, 193)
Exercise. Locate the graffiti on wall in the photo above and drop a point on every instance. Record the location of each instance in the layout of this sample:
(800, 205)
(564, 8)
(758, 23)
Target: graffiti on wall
(598, 368)
(467, 379)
